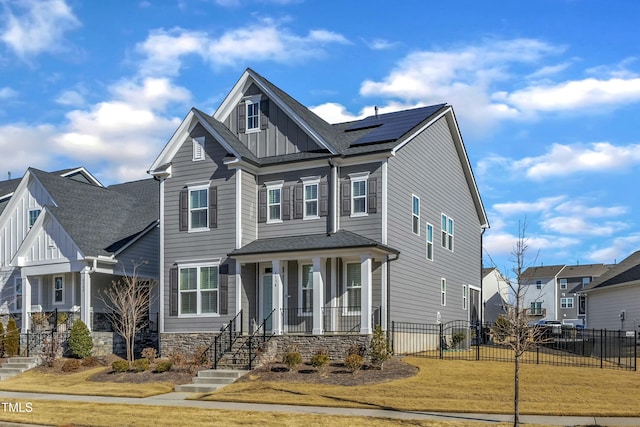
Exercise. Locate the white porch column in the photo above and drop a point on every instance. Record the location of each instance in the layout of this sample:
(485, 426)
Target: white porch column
(333, 303)
(318, 296)
(85, 297)
(26, 304)
(277, 295)
(366, 295)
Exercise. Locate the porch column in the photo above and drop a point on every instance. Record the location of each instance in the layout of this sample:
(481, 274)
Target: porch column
(26, 304)
(85, 297)
(366, 296)
(277, 295)
(318, 296)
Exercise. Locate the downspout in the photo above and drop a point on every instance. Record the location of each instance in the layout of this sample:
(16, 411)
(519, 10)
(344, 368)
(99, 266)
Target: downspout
(388, 261)
(333, 215)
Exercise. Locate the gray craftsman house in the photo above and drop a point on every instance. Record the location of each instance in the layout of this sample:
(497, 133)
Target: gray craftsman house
(272, 216)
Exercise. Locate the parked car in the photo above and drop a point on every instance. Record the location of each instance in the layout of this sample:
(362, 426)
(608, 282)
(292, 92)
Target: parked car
(553, 326)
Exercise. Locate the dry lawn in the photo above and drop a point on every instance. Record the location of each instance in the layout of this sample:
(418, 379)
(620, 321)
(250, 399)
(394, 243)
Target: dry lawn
(464, 386)
(91, 414)
(77, 383)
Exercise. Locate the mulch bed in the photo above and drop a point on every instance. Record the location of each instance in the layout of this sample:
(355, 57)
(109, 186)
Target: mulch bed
(334, 374)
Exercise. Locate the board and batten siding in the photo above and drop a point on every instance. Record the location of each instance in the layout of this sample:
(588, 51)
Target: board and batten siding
(249, 199)
(205, 245)
(604, 307)
(282, 135)
(429, 167)
(370, 225)
(52, 244)
(293, 227)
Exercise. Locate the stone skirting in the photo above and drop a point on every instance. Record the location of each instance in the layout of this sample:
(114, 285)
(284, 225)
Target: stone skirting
(105, 343)
(184, 342)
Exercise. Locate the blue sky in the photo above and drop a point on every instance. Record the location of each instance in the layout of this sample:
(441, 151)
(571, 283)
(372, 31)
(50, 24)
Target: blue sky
(546, 93)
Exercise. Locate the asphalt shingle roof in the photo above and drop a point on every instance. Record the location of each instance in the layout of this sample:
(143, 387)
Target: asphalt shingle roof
(626, 271)
(542, 272)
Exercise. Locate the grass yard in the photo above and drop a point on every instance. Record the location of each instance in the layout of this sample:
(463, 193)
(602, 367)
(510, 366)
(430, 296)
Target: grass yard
(464, 386)
(77, 383)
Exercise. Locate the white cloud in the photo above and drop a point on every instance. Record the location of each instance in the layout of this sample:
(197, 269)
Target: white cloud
(544, 204)
(7, 92)
(580, 226)
(499, 244)
(380, 44)
(154, 93)
(549, 70)
(164, 50)
(70, 97)
(33, 151)
(620, 248)
(30, 27)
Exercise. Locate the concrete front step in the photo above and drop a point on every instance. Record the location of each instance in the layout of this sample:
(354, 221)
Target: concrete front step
(211, 380)
(17, 365)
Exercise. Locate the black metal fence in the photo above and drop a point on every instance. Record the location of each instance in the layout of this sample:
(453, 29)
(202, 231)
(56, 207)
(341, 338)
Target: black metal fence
(334, 320)
(561, 346)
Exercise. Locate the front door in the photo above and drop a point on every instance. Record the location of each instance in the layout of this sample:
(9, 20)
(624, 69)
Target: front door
(267, 298)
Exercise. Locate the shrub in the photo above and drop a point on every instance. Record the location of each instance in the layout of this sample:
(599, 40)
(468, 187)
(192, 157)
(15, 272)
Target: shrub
(120, 366)
(150, 354)
(51, 346)
(292, 359)
(178, 360)
(320, 359)
(379, 351)
(80, 341)
(354, 362)
(358, 349)
(91, 362)
(141, 365)
(201, 356)
(71, 365)
(12, 338)
(163, 365)
(457, 338)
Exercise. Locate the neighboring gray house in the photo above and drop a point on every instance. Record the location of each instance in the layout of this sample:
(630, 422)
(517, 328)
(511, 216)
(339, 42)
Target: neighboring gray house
(571, 304)
(64, 237)
(613, 299)
(267, 208)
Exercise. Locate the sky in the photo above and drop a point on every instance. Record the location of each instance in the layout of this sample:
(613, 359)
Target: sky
(546, 93)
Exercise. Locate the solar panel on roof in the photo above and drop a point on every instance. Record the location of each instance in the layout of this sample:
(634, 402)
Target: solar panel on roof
(391, 126)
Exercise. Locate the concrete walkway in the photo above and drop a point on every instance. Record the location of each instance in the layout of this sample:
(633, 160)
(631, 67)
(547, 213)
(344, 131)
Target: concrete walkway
(178, 399)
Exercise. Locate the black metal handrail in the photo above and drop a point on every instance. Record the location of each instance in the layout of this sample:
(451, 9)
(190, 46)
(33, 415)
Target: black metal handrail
(223, 342)
(260, 334)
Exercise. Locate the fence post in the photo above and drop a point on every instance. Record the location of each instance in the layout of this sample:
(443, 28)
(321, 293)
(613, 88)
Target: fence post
(28, 355)
(602, 345)
(478, 331)
(392, 336)
(635, 352)
(441, 342)
(537, 354)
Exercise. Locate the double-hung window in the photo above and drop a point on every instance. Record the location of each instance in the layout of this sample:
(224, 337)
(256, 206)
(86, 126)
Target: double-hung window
(33, 216)
(415, 214)
(563, 283)
(58, 290)
(18, 294)
(274, 202)
(198, 289)
(566, 302)
(358, 196)
(253, 114)
(443, 292)
(538, 284)
(464, 297)
(306, 292)
(199, 208)
(311, 199)
(354, 288)
(447, 232)
(429, 242)
(536, 308)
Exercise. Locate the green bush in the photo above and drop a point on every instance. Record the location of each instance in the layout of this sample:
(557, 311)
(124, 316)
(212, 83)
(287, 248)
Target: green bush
(91, 362)
(163, 365)
(320, 359)
(120, 366)
(150, 354)
(457, 338)
(292, 359)
(80, 341)
(354, 362)
(12, 338)
(141, 365)
(379, 350)
(71, 365)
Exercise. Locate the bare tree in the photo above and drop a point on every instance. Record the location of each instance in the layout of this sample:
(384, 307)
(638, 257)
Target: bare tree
(127, 302)
(514, 329)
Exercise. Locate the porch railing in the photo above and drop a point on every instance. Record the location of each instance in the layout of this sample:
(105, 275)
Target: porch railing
(223, 342)
(334, 319)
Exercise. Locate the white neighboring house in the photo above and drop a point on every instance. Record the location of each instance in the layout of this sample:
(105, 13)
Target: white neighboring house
(541, 291)
(613, 299)
(495, 294)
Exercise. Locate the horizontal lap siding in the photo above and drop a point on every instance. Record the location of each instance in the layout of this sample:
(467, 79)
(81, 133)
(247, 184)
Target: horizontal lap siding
(604, 307)
(144, 254)
(215, 243)
(369, 226)
(430, 168)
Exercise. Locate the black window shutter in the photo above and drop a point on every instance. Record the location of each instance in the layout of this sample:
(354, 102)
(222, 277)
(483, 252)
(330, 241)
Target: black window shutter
(173, 291)
(213, 207)
(184, 210)
(298, 201)
(286, 203)
(346, 198)
(242, 117)
(323, 209)
(264, 114)
(223, 286)
(262, 205)
(372, 197)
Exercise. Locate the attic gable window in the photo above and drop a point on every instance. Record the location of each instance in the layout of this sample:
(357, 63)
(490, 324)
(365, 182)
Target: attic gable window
(198, 148)
(33, 216)
(252, 106)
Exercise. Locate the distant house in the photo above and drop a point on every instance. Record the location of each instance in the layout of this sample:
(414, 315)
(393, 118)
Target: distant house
(540, 291)
(495, 295)
(571, 303)
(613, 299)
(64, 237)
(273, 216)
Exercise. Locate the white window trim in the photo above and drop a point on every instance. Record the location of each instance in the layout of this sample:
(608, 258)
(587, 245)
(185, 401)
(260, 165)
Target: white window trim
(198, 148)
(429, 242)
(54, 291)
(301, 311)
(449, 230)
(464, 297)
(274, 186)
(17, 296)
(443, 292)
(359, 177)
(198, 188)
(346, 311)
(539, 284)
(310, 181)
(251, 101)
(567, 303)
(39, 210)
(563, 283)
(197, 291)
(413, 214)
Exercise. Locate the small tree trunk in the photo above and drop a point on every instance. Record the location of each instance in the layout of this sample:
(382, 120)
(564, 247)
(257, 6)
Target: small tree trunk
(516, 392)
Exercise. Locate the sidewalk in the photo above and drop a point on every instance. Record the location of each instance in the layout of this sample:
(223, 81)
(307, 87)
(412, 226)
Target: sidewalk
(178, 400)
